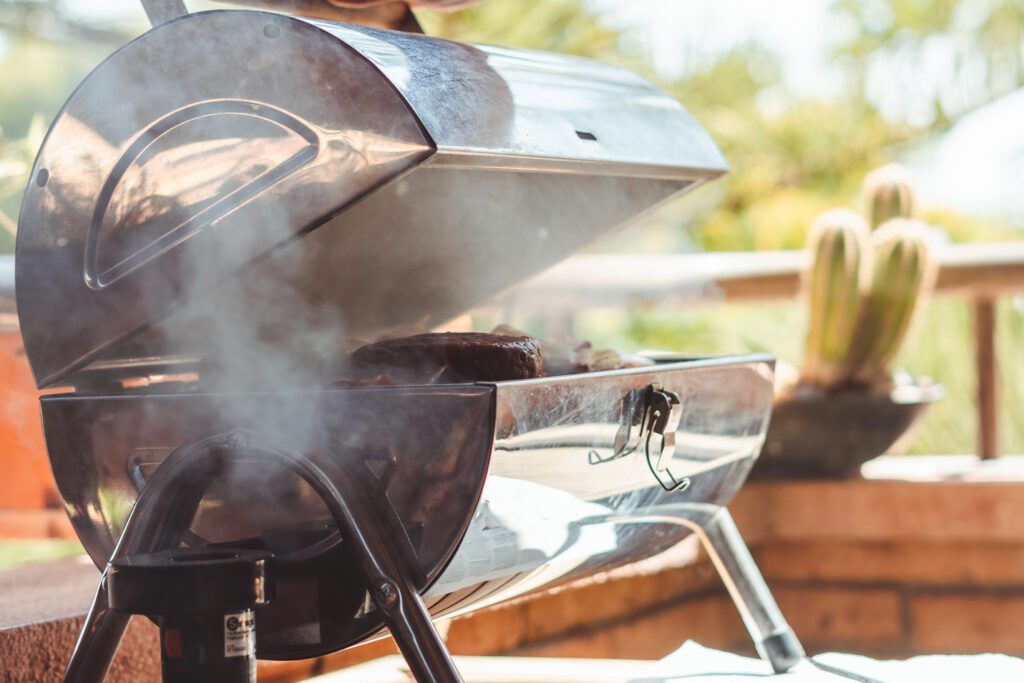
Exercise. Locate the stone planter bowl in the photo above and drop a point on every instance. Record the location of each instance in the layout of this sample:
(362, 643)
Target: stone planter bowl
(816, 434)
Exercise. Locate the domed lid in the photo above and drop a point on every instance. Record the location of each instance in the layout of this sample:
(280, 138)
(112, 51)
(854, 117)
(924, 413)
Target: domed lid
(252, 185)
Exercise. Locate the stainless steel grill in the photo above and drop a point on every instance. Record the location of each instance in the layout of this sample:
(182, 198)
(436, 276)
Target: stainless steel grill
(227, 199)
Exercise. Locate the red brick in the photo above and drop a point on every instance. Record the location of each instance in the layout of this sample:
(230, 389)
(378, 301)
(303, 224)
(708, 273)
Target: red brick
(35, 523)
(607, 598)
(865, 510)
(712, 620)
(957, 563)
(851, 619)
(27, 481)
(947, 623)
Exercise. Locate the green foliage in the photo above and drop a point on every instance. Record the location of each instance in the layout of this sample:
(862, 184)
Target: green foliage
(699, 330)
(790, 160)
(899, 38)
(16, 157)
(555, 25)
(38, 75)
(961, 228)
(813, 154)
(18, 552)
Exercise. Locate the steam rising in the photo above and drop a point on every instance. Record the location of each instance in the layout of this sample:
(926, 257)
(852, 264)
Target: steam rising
(286, 195)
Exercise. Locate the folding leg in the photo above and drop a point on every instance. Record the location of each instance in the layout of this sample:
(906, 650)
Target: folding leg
(773, 637)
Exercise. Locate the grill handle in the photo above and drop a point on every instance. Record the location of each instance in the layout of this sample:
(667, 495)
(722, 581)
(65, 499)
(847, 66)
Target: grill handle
(162, 11)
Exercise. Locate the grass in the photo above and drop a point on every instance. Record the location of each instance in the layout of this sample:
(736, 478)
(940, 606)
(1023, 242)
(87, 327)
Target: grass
(941, 346)
(17, 552)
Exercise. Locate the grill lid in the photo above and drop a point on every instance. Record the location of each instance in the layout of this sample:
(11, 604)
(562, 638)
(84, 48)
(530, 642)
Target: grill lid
(247, 185)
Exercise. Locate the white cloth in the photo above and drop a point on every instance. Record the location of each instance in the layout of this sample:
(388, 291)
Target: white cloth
(694, 663)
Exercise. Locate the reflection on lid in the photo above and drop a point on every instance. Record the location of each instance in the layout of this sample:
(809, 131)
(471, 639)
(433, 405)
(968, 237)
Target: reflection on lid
(183, 173)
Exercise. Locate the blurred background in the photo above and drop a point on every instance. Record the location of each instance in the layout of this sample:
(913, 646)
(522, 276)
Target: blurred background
(804, 97)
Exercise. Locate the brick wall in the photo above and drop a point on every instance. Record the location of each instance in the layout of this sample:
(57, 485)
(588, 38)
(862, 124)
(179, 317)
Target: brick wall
(889, 568)
(27, 482)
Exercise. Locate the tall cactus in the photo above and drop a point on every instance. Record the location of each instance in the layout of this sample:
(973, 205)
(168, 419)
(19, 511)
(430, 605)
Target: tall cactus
(888, 193)
(833, 285)
(902, 276)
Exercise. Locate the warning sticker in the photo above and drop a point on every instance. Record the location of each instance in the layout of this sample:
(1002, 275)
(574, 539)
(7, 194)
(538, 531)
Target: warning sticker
(240, 634)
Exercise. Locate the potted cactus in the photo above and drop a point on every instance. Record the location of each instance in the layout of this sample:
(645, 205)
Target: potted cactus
(866, 282)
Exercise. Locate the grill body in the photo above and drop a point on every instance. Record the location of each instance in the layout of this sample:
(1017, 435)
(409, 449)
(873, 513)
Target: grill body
(231, 198)
(498, 490)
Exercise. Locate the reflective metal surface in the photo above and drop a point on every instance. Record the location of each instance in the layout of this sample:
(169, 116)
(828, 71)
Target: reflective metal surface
(524, 468)
(240, 174)
(234, 194)
(559, 504)
(426, 447)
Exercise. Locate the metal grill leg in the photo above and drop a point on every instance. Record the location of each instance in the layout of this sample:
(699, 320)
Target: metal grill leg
(168, 502)
(387, 576)
(97, 644)
(773, 637)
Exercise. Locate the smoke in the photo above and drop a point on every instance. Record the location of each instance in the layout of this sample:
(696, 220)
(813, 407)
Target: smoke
(273, 199)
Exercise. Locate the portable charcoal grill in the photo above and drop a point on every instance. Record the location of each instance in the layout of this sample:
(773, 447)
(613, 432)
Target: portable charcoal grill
(226, 200)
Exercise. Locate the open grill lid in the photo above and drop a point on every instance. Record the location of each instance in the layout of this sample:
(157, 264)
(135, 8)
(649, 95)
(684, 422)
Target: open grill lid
(241, 183)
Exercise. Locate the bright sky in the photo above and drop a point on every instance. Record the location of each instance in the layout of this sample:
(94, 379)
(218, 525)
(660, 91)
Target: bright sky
(681, 32)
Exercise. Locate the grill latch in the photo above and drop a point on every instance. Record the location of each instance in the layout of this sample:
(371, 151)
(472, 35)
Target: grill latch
(662, 415)
(649, 419)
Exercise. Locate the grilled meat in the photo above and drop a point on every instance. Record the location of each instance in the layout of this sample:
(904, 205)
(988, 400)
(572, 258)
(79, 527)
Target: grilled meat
(450, 357)
(571, 359)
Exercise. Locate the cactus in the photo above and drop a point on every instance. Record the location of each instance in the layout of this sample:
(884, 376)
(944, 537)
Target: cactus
(833, 288)
(888, 193)
(902, 276)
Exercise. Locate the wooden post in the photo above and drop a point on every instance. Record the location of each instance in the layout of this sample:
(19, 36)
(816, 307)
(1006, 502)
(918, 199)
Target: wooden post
(985, 355)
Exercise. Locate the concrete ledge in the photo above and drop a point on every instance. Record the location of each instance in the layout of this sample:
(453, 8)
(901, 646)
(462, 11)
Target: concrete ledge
(900, 498)
(41, 614)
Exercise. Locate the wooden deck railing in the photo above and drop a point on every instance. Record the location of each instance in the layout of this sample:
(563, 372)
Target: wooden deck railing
(981, 273)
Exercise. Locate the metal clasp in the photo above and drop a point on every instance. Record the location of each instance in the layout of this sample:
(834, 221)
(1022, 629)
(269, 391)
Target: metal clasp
(631, 420)
(649, 417)
(663, 413)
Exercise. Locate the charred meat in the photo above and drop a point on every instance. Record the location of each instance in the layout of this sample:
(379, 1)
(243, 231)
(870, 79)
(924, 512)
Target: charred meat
(449, 357)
